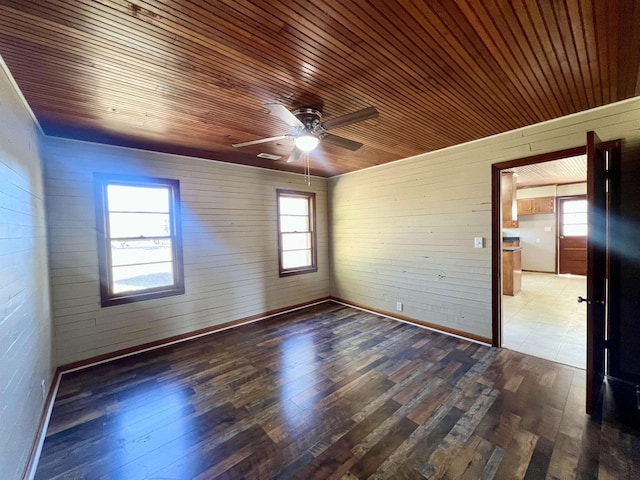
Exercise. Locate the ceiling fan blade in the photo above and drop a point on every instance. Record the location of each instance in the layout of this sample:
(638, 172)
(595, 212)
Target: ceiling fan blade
(284, 114)
(261, 140)
(295, 155)
(341, 142)
(349, 118)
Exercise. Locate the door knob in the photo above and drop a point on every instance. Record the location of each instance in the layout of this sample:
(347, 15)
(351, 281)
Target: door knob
(589, 302)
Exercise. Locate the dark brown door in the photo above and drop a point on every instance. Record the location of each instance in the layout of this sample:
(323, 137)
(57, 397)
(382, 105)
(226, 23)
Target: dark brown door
(596, 267)
(572, 239)
(624, 268)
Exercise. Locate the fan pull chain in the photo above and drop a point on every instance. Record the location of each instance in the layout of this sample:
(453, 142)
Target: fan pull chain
(307, 170)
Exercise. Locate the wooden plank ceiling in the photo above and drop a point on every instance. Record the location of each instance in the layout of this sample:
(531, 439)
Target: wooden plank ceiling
(192, 77)
(556, 172)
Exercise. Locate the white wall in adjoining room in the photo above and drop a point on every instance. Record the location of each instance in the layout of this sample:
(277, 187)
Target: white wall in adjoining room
(571, 189)
(229, 241)
(538, 232)
(538, 242)
(404, 231)
(536, 192)
(26, 359)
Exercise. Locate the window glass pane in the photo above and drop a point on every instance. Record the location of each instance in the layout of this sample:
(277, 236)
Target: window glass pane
(297, 248)
(575, 230)
(296, 241)
(572, 206)
(142, 277)
(296, 259)
(294, 206)
(574, 218)
(294, 224)
(139, 225)
(123, 198)
(140, 251)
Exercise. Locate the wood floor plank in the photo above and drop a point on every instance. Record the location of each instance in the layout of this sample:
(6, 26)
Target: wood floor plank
(331, 392)
(370, 462)
(517, 455)
(539, 463)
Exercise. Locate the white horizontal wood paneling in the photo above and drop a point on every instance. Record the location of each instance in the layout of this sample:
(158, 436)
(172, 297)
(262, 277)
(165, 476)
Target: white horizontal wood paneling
(571, 189)
(404, 231)
(536, 192)
(229, 243)
(25, 317)
(553, 191)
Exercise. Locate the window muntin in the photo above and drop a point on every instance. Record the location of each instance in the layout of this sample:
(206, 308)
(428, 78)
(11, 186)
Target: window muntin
(296, 232)
(140, 248)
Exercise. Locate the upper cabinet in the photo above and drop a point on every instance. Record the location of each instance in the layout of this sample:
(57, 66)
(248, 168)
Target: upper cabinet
(509, 205)
(530, 206)
(525, 207)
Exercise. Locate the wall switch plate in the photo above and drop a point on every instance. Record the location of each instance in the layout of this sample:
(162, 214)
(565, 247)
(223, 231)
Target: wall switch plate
(547, 229)
(399, 306)
(477, 242)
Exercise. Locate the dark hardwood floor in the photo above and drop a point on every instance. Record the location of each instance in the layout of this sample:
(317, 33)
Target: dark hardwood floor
(331, 392)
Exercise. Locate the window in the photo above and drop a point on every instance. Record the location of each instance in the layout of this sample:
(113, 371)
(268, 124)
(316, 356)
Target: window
(139, 241)
(296, 232)
(573, 222)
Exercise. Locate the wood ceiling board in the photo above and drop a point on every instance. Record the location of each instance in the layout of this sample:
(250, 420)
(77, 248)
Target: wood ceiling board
(195, 76)
(556, 172)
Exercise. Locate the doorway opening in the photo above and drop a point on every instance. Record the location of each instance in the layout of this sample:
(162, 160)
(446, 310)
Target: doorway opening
(542, 260)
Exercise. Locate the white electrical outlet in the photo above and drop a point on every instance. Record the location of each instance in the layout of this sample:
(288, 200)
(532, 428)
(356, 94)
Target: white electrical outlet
(477, 242)
(399, 306)
(44, 389)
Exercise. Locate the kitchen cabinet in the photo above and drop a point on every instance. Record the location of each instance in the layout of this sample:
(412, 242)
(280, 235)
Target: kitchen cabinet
(525, 207)
(544, 205)
(511, 270)
(530, 206)
(509, 204)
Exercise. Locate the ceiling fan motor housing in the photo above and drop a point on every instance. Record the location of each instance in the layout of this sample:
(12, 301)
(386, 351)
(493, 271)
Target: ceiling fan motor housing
(310, 118)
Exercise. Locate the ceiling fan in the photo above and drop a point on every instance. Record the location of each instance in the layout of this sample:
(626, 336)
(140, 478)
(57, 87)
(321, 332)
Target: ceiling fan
(309, 130)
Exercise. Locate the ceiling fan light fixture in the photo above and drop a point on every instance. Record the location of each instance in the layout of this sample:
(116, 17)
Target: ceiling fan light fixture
(306, 142)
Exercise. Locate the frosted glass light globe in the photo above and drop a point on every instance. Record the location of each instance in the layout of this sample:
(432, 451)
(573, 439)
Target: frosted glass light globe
(306, 143)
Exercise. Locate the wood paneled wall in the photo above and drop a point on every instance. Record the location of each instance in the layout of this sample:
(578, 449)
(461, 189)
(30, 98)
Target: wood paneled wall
(404, 231)
(25, 317)
(229, 243)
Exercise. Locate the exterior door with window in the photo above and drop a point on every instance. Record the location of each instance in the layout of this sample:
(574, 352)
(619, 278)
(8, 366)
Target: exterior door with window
(572, 239)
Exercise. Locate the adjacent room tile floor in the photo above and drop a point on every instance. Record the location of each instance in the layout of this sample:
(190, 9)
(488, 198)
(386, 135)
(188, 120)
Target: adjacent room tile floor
(545, 319)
